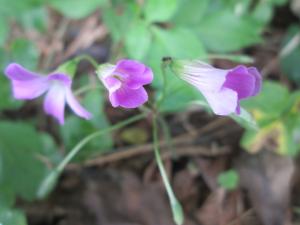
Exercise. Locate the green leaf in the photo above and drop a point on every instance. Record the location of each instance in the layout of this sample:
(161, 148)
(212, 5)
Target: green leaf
(12, 217)
(265, 105)
(120, 17)
(180, 43)
(15, 8)
(75, 128)
(290, 63)
(138, 40)
(7, 102)
(179, 93)
(7, 196)
(76, 9)
(225, 31)
(263, 12)
(25, 53)
(160, 11)
(21, 168)
(4, 30)
(36, 18)
(190, 12)
(228, 179)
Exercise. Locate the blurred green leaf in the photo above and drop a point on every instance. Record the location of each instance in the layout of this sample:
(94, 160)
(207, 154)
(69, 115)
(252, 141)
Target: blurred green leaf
(7, 196)
(180, 43)
(119, 17)
(36, 18)
(75, 128)
(265, 105)
(12, 217)
(160, 11)
(228, 179)
(4, 30)
(76, 9)
(138, 40)
(25, 53)
(262, 12)
(190, 12)
(224, 31)
(21, 168)
(179, 94)
(7, 102)
(14, 8)
(290, 62)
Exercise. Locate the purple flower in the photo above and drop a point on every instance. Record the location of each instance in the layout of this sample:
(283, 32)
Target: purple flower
(125, 82)
(223, 89)
(29, 85)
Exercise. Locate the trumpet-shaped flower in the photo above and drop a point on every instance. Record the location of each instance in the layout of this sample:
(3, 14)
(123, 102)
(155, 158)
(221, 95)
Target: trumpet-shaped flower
(223, 89)
(29, 85)
(124, 82)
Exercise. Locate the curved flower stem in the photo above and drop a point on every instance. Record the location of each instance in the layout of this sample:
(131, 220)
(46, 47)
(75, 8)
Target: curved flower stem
(88, 58)
(177, 211)
(232, 57)
(51, 179)
(167, 134)
(86, 88)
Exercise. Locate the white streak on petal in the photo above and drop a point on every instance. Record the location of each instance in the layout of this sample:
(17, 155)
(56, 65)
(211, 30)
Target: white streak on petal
(75, 106)
(223, 102)
(54, 103)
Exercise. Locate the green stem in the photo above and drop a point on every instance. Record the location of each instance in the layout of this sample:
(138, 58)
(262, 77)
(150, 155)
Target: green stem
(85, 140)
(175, 205)
(86, 88)
(49, 182)
(231, 57)
(167, 133)
(88, 58)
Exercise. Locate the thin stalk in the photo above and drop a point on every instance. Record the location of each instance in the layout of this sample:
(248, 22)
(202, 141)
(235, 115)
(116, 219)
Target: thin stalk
(88, 138)
(86, 88)
(167, 134)
(175, 205)
(49, 182)
(88, 58)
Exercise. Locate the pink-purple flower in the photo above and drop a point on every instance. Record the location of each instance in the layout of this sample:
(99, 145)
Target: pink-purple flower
(29, 85)
(223, 89)
(124, 82)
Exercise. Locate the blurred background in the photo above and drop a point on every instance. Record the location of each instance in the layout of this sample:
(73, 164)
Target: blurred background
(224, 170)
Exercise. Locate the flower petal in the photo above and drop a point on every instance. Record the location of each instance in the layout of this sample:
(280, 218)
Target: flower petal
(128, 98)
(134, 73)
(29, 89)
(258, 80)
(54, 103)
(111, 83)
(241, 81)
(75, 106)
(15, 71)
(204, 77)
(223, 102)
(61, 79)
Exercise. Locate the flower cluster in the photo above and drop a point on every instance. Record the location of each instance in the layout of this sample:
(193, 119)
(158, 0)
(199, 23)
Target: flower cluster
(223, 89)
